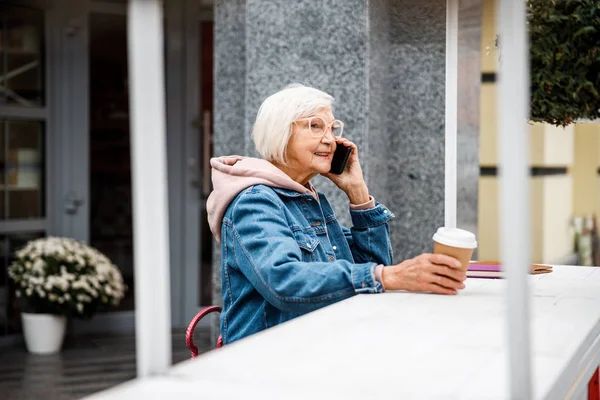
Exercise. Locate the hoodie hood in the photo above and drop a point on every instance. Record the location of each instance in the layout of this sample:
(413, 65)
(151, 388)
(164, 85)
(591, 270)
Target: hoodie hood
(232, 174)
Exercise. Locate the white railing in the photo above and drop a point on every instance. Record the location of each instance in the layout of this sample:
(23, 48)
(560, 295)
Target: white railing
(513, 144)
(150, 209)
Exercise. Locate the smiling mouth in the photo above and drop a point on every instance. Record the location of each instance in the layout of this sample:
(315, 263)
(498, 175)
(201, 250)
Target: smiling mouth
(319, 154)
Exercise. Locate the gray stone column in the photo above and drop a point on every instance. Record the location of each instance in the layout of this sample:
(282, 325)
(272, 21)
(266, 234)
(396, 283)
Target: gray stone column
(406, 97)
(407, 125)
(384, 62)
(469, 86)
(230, 133)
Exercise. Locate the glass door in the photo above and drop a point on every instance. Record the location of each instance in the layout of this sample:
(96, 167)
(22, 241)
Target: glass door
(109, 179)
(111, 220)
(206, 44)
(22, 141)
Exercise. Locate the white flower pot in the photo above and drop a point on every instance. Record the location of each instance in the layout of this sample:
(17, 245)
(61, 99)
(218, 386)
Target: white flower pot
(44, 333)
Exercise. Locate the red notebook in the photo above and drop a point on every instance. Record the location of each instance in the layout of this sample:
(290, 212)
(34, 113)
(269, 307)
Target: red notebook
(493, 269)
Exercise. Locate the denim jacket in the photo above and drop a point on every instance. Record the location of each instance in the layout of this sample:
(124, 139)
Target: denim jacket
(284, 254)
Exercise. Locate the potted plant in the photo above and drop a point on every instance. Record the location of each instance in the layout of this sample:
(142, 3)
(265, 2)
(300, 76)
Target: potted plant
(60, 278)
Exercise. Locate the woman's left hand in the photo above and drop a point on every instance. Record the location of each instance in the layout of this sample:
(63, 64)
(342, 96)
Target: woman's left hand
(351, 180)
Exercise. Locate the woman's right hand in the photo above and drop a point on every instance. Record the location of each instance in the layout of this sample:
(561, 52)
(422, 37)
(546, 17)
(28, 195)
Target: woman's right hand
(434, 273)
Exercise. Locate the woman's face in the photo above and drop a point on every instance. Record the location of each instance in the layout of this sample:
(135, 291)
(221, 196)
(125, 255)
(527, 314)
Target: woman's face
(308, 155)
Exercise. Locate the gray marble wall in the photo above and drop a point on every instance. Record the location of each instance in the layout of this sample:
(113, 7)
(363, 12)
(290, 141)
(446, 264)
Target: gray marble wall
(412, 142)
(231, 135)
(380, 157)
(469, 79)
(322, 46)
(384, 62)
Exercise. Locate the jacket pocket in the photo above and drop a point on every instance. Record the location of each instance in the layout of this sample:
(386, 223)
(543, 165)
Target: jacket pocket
(308, 242)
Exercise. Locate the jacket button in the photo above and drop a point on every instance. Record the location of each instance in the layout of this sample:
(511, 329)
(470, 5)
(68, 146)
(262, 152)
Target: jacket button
(385, 211)
(334, 248)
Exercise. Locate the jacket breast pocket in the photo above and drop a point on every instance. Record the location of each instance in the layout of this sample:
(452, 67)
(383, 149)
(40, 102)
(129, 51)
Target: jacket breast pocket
(308, 243)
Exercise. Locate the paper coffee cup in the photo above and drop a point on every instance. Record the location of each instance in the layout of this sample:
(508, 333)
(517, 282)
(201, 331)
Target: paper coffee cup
(457, 243)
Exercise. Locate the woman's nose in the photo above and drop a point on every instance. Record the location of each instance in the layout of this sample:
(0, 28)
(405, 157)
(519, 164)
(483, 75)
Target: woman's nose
(328, 136)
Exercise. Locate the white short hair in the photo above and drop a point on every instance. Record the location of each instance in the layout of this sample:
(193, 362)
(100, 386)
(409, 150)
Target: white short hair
(273, 126)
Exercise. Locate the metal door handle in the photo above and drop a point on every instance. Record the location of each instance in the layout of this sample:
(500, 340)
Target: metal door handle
(72, 203)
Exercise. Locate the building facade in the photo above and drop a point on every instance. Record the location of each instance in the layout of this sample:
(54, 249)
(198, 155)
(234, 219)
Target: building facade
(64, 118)
(65, 142)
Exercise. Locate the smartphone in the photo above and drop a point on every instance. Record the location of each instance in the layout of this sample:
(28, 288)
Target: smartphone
(340, 158)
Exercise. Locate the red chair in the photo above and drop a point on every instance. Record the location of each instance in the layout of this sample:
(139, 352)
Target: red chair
(189, 332)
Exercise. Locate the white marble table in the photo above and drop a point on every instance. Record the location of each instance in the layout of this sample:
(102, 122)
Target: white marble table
(403, 346)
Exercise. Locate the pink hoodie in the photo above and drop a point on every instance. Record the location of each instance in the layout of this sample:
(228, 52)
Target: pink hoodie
(232, 174)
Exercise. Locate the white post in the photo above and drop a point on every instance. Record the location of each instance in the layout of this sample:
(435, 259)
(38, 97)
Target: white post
(513, 143)
(451, 125)
(150, 212)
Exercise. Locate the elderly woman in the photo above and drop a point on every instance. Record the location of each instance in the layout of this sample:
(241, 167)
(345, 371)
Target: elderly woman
(284, 253)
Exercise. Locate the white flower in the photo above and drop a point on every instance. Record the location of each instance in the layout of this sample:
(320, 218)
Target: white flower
(28, 291)
(18, 293)
(79, 307)
(68, 276)
(61, 300)
(94, 282)
(84, 298)
(60, 282)
(67, 296)
(52, 297)
(38, 266)
(80, 283)
(35, 281)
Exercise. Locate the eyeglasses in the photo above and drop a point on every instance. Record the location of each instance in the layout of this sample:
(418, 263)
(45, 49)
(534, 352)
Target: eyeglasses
(318, 127)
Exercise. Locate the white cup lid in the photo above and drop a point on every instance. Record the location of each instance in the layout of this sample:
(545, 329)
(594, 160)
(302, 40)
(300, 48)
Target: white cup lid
(455, 237)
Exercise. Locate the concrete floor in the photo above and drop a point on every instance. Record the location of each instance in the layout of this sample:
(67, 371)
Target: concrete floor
(86, 365)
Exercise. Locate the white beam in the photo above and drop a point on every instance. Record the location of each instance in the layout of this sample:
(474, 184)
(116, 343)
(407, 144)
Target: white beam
(148, 152)
(513, 144)
(451, 125)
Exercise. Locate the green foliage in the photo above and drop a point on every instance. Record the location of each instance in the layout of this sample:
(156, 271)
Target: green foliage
(564, 48)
